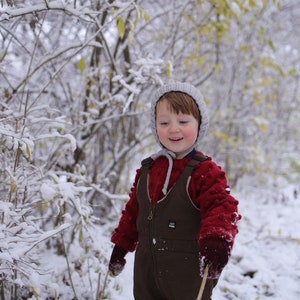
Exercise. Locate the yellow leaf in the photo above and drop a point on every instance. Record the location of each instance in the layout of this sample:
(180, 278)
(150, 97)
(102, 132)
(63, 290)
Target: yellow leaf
(266, 81)
(82, 65)
(200, 61)
(221, 135)
(206, 29)
(13, 185)
(269, 63)
(35, 293)
(264, 127)
(147, 17)
(121, 27)
(81, 236)
(28, 152)
(137, 15)
(271, 44)
(45, 206)
(293, 72)
(221, 3)
(218, 67)
(169, 69)
(252, 3)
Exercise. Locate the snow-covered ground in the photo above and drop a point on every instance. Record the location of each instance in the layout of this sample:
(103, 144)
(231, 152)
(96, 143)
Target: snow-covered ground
(265, 263)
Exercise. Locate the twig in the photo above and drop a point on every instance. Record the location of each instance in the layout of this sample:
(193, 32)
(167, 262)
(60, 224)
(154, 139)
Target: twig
(101, 291)
(69, 267)
(201, 290)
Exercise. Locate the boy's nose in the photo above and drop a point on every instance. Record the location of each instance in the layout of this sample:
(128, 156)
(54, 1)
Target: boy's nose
(173, 128)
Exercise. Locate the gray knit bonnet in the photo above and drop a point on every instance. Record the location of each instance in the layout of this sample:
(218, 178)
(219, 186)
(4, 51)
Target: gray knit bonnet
(197, 96)
(184, 88)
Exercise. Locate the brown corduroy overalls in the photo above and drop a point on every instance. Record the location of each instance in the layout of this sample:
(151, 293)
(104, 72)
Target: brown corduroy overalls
(167, 257)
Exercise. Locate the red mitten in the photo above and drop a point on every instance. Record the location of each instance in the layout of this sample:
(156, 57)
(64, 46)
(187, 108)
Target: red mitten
(215, 253)
(117, 260)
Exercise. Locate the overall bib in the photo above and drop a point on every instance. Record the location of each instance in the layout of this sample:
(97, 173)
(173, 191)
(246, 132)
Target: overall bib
(167, 263)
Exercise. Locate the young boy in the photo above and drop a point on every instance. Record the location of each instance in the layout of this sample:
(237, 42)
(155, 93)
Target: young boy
(180, 217)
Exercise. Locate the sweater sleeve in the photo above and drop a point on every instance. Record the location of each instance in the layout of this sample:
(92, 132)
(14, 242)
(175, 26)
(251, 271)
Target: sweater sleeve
(126, 235)
(219, 210)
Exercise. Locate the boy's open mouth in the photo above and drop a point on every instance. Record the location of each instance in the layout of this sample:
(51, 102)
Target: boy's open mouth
(175, 139)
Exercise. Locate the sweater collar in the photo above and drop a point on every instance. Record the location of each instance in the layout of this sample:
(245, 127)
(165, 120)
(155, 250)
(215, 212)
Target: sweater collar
(170, 156)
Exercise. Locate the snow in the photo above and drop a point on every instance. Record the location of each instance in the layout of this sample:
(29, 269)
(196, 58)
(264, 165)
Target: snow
(44, 210)
(265, 262)
(70, 137)
(266, 259)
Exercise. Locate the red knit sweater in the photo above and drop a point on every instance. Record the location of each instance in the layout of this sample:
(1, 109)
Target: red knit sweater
(208, 189)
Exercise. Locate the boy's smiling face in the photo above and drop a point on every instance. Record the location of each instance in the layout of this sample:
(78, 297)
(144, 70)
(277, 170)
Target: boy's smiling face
(176, 132)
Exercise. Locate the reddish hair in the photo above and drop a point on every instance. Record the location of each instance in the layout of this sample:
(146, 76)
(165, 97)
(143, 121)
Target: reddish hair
(180, 102)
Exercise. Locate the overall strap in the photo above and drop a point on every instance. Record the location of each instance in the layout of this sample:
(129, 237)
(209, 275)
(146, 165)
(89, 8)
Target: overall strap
(184, 176)
(146, 164)
(199, 158)
(191, 165)
(147, 161)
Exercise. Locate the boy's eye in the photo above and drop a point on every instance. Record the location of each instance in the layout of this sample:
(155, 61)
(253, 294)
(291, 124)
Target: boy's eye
(163, 123)
(183, 122)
